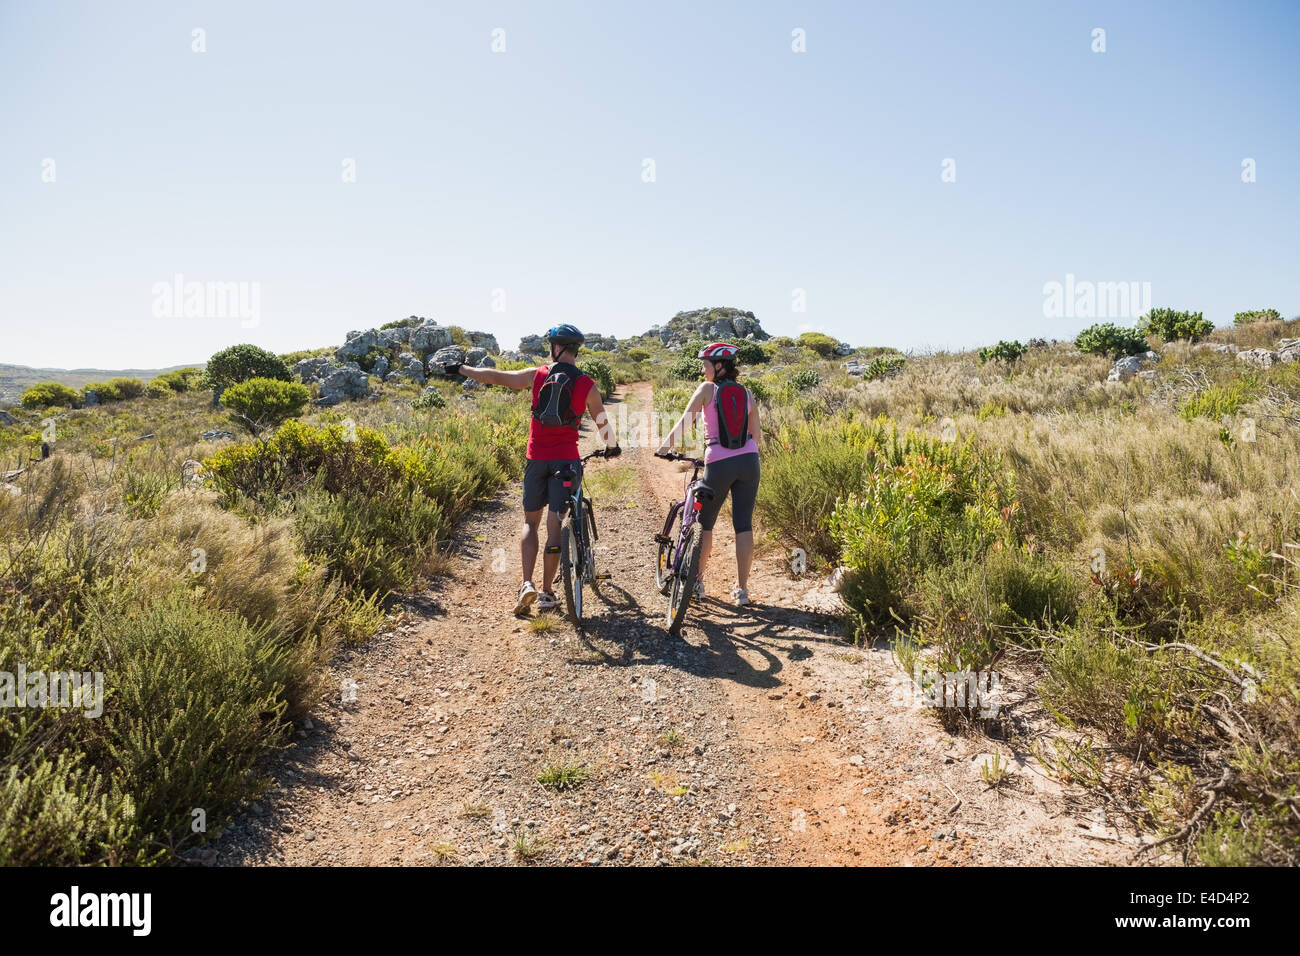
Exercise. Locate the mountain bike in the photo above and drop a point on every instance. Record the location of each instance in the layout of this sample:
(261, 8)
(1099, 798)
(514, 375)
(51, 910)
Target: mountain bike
(577, 554)
(678, 565)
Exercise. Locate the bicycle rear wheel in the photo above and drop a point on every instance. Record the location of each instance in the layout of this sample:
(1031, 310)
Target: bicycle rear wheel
(571, 570)
(683, 582)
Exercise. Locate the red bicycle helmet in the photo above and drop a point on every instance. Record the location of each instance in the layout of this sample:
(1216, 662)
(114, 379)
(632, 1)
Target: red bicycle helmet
(719, 352)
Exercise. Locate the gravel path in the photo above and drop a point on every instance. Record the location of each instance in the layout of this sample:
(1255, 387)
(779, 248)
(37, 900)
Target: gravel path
(758, 737)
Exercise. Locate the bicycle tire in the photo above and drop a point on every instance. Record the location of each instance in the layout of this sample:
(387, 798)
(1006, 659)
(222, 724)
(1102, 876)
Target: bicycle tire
(570, 573)
(684, 581)
(663, 574)
(588, 536)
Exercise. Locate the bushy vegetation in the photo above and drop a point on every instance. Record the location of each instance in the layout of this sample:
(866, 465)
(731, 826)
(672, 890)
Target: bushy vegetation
(1111, 340)
(823, 345)
(1169, 324)
(1257, 315)
(1003, 351)
(208, 601)
(48, 395)
(260, 403)
(240, 363)
(179, 380)
(1130, 551)
(115, 389)
(600, 370)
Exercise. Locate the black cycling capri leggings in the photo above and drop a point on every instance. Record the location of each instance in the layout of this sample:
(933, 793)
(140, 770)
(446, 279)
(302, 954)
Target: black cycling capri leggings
(739, 475)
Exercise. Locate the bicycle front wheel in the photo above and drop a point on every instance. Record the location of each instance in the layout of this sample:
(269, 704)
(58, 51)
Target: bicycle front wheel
(588, 548)
(571, 570)
(683, 583)
(663, 564)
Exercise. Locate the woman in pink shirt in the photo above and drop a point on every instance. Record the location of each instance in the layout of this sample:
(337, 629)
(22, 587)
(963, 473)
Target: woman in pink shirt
(731, 457)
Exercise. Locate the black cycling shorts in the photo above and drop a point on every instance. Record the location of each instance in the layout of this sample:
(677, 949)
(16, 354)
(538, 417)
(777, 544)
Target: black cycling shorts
(739, 475)
(541, 487)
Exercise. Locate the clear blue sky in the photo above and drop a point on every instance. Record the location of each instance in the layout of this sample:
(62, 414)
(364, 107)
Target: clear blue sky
(522, 170)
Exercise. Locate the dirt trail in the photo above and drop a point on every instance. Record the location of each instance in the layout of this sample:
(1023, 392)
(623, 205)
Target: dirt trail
(756, 738)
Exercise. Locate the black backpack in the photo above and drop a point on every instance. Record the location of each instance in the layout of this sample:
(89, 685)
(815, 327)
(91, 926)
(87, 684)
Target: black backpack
(731, 401)
(554, 405)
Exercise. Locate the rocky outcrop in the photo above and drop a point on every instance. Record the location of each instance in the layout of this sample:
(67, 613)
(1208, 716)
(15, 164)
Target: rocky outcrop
(485, 341)
(450, 355)
(1288, 350)
(1263, 358)
(1130, 365)
(6, 418)
(340, 384)
(429, 336)
(718, 324)
(312, 369)
(532, 345)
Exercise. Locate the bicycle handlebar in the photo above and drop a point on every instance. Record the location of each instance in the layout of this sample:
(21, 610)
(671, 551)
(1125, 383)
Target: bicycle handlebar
(674, 456)
(598, 453)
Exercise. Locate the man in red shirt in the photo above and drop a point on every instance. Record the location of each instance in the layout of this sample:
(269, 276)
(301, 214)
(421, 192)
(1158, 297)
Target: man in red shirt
(561, 395)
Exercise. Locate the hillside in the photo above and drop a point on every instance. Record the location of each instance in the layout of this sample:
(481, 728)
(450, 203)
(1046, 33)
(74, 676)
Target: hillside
(16, 379)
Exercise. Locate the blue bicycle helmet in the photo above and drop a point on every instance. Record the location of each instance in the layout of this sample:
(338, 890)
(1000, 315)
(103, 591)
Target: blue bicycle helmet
(565, 335)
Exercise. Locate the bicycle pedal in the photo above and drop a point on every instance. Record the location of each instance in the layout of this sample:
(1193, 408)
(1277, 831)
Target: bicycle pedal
(604, 577)
(663, 539)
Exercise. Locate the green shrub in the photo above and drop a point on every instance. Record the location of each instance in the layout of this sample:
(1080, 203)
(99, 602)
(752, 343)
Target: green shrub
(823, 345)
(1215, 401)
(758, 388)
(806, 469)
(376, 543)
(1257, 315)
(178, 380)
(599, 370)
(751, 353)
(157, 389)
(804, 379)
(1004, 350)
(1169, 325)
(409, 322)
(260, 403)
(50, 394)
(239, 363)
(884, 366)
(430, 398)
(117, 389)
(460, 337)
(1106, 338)
(686, 367)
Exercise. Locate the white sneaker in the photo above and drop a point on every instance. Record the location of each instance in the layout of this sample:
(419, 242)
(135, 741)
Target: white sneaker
(699, 588)
(546, 601)
(527, 595)
(740, 595)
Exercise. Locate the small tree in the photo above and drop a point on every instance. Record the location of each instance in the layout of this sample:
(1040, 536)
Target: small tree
(47, 394)
(1107, 338)
(262, 403)
(239, 363)
(1170, 324)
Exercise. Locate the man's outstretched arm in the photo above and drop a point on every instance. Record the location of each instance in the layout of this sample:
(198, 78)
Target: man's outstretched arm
(516, 378)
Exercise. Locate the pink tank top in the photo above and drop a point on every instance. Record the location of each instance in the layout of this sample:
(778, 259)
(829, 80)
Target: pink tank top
(714, 451)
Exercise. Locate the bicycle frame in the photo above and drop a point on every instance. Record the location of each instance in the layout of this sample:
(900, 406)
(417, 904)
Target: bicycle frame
(689, 507)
